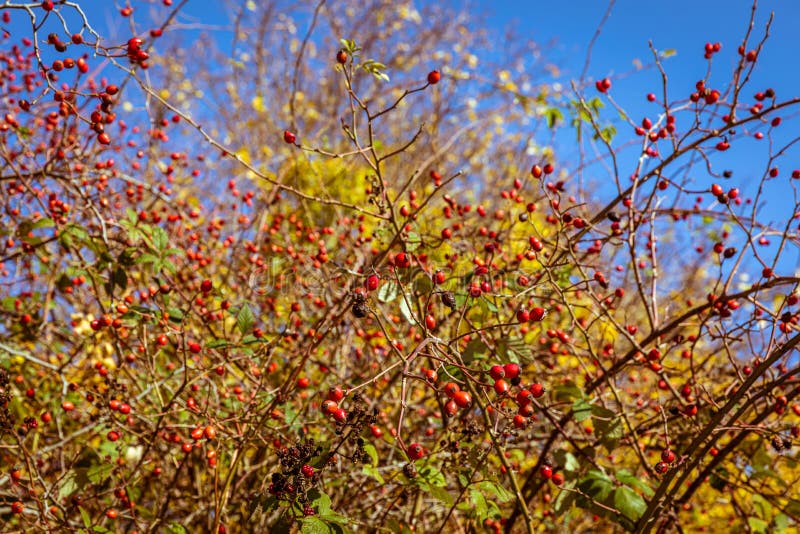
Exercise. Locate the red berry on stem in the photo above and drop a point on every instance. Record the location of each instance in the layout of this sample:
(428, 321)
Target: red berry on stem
(415, 451)
(434, 76)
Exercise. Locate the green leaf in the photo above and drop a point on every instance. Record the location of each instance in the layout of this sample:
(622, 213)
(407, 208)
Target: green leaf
(176, 528)
(319, 501)
(567, 460)
(217, 343)
(596, 484)
(98, 473)
(245, 319)
(480, 507)
(498, 491)
(626, 477)
(669, 52)
(553, 117)
(630, 503)
(474, 350)
(372, 471)
(87, 519)
(314, 525)
(413, 241)
(581, 410)
(405, 309)
(369, 448)
(441, 494)
(564, 499)
(757, 525)
(175, 315)
(147, 258)
(29, 225)
(388, 291)
(69, 484)
(433, 476)
(567, 392)
(489, 305)
(160, 238)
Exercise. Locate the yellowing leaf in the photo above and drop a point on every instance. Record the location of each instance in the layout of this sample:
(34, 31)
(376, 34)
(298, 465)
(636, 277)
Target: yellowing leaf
(258, 103)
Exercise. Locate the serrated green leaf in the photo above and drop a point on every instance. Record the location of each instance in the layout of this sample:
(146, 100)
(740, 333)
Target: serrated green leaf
(245, 319)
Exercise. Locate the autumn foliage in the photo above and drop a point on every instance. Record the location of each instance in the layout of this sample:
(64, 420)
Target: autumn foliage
(330, 269)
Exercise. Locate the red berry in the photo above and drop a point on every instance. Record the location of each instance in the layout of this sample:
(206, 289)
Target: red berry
(537, 314)
(546, 471)
(558, 479)
(289, 137)
(16, 506)
(462, 399)
(206, 286)
(340, 415)
(430, 322)
(512, 370)
(501, 387)
(668, 456)
(662, 467)
(307, 471)
(415, 451)
(434, 76)
(335, 393)
(497, 372)
(537, 390)
(451, 388)
(372, 282)
(341, 57)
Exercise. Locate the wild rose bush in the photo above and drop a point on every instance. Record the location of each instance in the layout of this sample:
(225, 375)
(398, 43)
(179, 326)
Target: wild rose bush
(332, 275)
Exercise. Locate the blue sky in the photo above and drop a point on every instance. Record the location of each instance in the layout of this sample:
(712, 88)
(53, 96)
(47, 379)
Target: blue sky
(682, 25)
